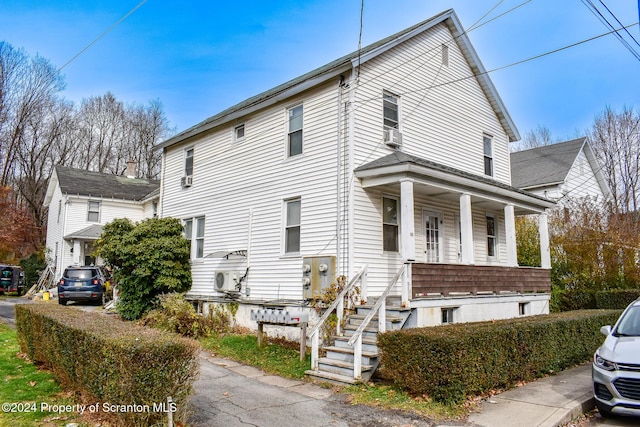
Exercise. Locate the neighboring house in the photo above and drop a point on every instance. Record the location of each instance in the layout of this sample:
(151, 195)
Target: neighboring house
(560, 172)
(81, 202)
(395, 155)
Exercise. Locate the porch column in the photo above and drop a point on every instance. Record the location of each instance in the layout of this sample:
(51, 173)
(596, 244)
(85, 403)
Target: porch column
(510, 230)
(407, 221)
(545, 249)
(466, 229)
(77, 248)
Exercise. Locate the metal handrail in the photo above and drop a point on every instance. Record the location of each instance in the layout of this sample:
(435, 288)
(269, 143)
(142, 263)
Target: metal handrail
(377, 305)
(338, 299)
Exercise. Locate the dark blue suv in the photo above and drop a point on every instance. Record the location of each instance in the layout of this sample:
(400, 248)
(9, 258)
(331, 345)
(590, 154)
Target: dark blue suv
(81, 284)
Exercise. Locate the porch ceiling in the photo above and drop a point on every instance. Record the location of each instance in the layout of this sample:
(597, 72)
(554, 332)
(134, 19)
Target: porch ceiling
(435, 180)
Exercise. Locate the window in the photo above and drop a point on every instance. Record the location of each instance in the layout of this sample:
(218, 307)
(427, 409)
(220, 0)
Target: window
(447, 315)
(389, 224)
(294, 143)
(196, 240)
(238, 133)
(390, 111)
(491, 236)
(188, 162)
(488, 155)
(523, 308)
(445, 55)
(292, 226)
(93, 211)
(59, 209)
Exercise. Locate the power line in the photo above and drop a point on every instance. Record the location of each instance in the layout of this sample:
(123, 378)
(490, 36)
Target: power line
(592, 7)
(108, 30)
(618, 21)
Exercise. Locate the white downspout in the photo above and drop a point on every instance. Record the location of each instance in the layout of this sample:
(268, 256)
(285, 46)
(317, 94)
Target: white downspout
(338, 178)
(162, 182)
(350, 180)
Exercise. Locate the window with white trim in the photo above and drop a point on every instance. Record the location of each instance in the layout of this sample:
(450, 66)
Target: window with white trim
(238, 133)
(188, 162)
(390, 111)
(492, 236)
(447, 315)
(390, 226)
(294, 133)
(194, 232)
(93, 211)
(293, 210)
(488, 155)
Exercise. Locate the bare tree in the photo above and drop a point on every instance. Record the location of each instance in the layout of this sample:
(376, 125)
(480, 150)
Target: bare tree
(616, 142)
(537, 137)
(28, 85)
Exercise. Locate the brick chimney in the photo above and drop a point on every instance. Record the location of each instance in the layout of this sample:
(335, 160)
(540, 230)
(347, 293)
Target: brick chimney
(131, 169)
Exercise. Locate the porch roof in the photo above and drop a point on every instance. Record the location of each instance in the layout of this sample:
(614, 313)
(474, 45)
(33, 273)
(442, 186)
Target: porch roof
(399, 165)
(91, 232)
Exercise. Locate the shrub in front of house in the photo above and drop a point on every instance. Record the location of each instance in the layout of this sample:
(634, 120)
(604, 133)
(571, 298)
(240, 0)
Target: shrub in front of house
(451, 362)
(572, 299)
(616, 298)
(110, 362)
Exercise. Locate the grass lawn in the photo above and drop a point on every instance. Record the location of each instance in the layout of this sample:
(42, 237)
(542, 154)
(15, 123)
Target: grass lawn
(279, 357)
(24, 389)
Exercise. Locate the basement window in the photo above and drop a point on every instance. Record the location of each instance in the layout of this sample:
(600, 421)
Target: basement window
(523, 308)
(447, 315)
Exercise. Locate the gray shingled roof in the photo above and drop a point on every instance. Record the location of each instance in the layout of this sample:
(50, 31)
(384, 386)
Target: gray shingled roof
(547, 165)
(321, 73)
(399, 157)
(95, 184)
(91, 232)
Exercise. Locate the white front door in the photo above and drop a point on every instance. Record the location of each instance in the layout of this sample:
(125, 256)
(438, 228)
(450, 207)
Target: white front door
(432, 223)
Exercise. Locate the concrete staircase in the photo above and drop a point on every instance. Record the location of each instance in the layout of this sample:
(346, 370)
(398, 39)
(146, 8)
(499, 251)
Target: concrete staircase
(337, 365)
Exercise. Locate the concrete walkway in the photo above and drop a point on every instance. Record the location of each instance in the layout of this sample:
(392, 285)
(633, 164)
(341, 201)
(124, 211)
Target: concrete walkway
(547, 402)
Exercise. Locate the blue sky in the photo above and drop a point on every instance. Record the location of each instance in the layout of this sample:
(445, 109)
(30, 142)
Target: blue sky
(199, 57)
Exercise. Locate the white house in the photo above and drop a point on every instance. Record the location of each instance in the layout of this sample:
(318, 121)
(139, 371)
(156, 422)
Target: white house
(560, 172)
(81, 202)
(394, 155)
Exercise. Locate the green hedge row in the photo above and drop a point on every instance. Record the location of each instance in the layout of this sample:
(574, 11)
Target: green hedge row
(111, 362)
(571, 299)
(451, 362)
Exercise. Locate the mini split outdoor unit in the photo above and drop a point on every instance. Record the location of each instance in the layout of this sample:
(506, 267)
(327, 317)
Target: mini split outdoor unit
(225, 280)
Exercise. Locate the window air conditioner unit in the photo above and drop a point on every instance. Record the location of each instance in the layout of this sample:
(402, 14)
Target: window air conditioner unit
(393, 138)
(226, 280)
(186, 181)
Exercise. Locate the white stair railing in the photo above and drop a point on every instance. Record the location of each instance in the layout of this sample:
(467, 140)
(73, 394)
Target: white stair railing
(378, 308)
(338, 305)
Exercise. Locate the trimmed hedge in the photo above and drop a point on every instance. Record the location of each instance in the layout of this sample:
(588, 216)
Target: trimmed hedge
(616, 298)
(585, 299)
(451, 362)
(111, 362)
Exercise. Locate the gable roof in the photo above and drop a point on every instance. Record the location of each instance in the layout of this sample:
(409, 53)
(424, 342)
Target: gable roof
(92, 232)
(352, 61)
(546, 165)
(103, 185)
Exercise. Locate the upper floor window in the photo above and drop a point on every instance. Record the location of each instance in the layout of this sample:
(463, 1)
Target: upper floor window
(59, 210)
(93, 211)
(294, 136)
(390, 226)
(238, 133)
(194, 232)
(488, 155)
(390, 111)
(188, 162)
(292, 226)
(492, 237)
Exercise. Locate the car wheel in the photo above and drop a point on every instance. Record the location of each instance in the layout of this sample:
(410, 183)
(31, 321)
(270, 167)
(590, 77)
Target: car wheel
(603, 410)
(62, 301)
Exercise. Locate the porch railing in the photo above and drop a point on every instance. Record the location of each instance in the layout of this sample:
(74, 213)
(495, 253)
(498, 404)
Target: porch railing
(378, 308)
(338, 305)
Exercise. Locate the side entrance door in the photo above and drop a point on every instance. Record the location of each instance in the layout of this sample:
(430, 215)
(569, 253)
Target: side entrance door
(432, 223)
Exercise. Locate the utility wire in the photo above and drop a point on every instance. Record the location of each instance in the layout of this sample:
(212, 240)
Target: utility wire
(592, 7)
(619, 23)
(108, 30)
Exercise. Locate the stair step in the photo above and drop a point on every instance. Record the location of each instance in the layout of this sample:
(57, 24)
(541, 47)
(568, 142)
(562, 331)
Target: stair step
(341, 363)
(350, 351)
(392, 319)
(330, 377)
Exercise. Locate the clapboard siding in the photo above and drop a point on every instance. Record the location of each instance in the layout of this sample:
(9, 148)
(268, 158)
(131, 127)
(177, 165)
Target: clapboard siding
(232, 179)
